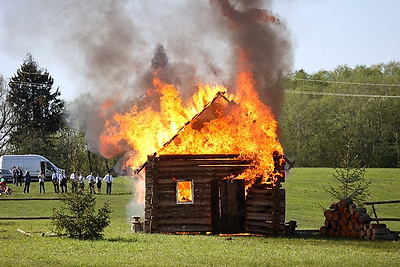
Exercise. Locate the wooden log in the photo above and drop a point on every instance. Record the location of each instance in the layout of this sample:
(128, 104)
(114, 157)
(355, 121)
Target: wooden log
(334, 205)
(335, 215)
(361, 234)
(264, 203)
(201, 162)
(331, 232)
(196, 156)
(183, 228)
(342, 221)
(383, 237)
(184, 221)
(341, 208)
(263, 209)
(327, 223)
(377, 225)
(264, 217)
(345, 202)
(265, 230)
(357, 226)
(202, 171)
(336, 234)
(358, 210)
(364, 218)
(380, 231)
(368, 232)
(333, 224)
(354, 233)
(350, 226)
(323, 231)
(25, 233)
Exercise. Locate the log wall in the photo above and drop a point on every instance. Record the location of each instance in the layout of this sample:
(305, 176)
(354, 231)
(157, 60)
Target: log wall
(263, 210)
(162, 213)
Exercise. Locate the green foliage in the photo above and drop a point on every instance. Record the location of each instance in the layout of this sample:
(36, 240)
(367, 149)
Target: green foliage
(320, 116)
(352, 181)
(37, 110)
(77, 217)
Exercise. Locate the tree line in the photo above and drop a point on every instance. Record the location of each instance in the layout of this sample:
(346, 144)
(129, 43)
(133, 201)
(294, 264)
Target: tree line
(326, 112)
(32, 121)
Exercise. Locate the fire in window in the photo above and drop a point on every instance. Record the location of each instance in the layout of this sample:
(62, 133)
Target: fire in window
(184, 191)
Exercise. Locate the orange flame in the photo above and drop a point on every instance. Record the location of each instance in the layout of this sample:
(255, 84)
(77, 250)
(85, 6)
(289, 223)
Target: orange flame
(185, 193)
(233, 124)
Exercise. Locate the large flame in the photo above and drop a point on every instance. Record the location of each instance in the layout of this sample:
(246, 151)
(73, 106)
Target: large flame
(237, 123)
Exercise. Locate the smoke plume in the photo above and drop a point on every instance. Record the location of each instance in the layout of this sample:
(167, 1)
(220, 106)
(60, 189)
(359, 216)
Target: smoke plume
(112, 48)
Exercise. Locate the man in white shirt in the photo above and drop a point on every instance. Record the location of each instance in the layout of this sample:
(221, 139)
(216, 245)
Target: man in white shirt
(81, 180)
(98, 183)
(90, 178)
(54, 178)
(108, 179)
(63, 181)
(74, 181)
(41, 182)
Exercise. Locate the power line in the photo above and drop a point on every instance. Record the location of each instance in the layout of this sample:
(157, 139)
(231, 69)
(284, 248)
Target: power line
(339, 94)
(352, 83)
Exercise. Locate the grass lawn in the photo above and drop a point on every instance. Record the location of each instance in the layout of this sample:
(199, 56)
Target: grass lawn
(120, 247)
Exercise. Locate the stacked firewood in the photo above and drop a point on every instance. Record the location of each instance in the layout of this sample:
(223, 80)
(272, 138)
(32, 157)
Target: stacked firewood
(344, 219)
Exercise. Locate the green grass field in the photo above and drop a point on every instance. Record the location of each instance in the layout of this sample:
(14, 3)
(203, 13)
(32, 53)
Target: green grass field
(120, 247)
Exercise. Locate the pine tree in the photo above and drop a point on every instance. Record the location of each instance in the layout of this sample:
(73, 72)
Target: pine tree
(37, 110)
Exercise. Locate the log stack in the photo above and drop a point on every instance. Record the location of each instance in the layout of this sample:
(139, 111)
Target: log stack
(345, 219)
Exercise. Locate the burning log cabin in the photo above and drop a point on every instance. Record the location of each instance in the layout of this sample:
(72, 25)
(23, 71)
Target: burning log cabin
(199, 193)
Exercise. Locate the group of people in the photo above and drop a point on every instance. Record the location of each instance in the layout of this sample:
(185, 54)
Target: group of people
(60, 181)
(18, 176)
(77, 181)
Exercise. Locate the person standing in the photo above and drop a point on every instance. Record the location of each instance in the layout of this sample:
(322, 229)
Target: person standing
(98, 183)
(63, 181)
(90, 178)
(54, 179)
(74, 182)
(19, 176)
(41, 182)
(14, 174)
(27, 180)
(108, 179)
(81, 180)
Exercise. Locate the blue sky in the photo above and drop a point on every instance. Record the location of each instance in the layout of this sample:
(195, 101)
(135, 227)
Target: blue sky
(326, 33)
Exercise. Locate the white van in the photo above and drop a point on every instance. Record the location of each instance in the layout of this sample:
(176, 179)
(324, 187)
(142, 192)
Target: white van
(35, 164)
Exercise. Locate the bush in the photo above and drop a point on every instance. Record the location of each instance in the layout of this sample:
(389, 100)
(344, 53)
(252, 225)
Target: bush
(77, 216)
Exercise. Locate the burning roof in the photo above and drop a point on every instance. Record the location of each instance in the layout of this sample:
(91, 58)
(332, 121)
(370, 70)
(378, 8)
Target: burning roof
(237, 118)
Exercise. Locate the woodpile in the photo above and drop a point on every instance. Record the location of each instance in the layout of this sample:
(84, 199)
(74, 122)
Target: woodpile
(345, 219)
(265, 210)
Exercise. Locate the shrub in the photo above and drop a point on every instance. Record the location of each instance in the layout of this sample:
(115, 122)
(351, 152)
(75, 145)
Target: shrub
(351, 178)
(77, 216)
